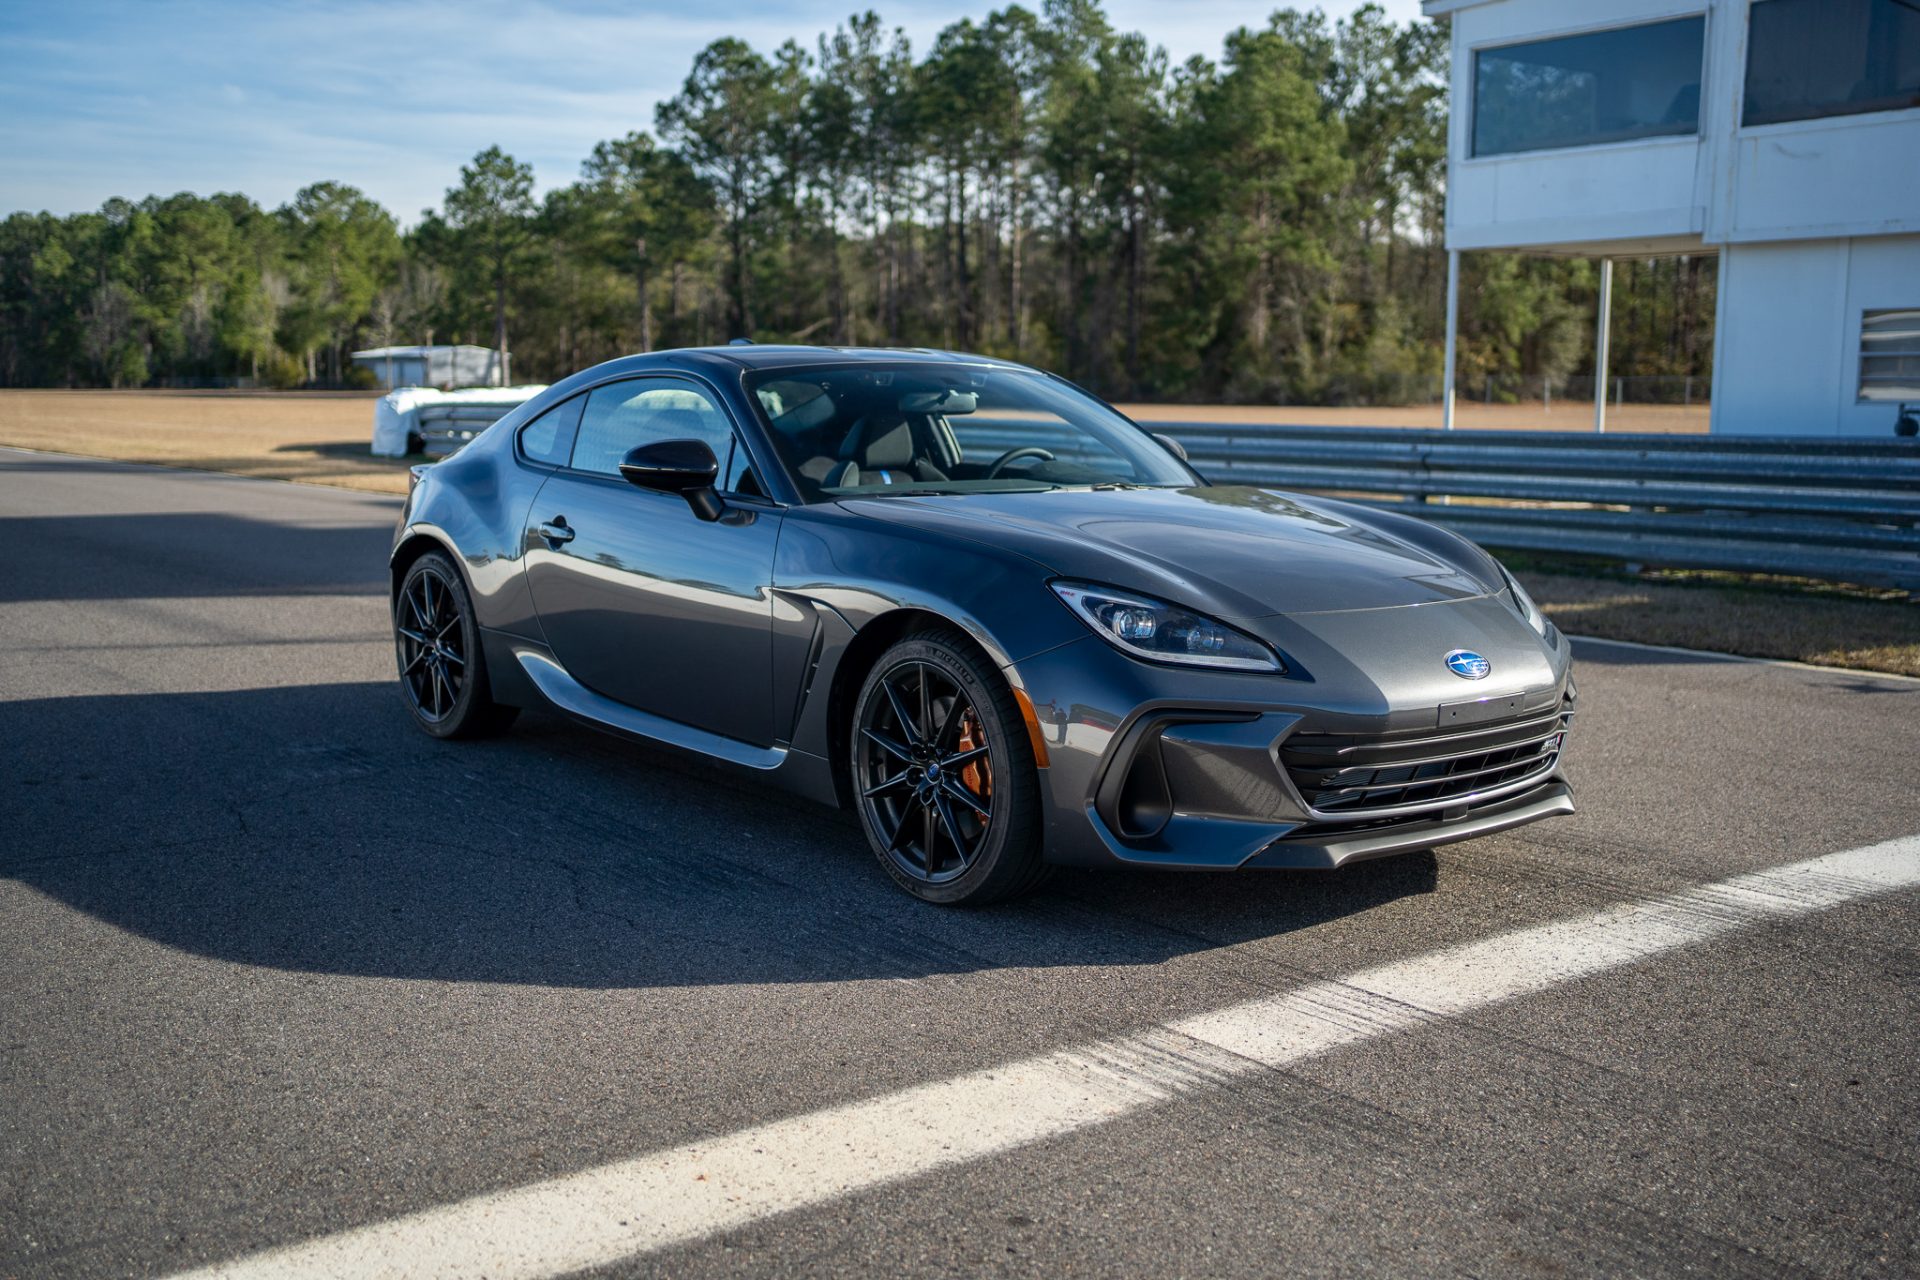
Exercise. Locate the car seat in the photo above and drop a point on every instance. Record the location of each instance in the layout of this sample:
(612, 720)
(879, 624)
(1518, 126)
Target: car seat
(886, 451)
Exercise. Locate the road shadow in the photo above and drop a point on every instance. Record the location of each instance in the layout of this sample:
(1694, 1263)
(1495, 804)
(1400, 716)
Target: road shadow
(16, 459)
(1867, 682)
(352, 451)
(313, 828)
(1604, 653)
(189, 553)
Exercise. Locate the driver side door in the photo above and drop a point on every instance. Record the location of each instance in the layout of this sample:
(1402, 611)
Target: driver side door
(640, 599)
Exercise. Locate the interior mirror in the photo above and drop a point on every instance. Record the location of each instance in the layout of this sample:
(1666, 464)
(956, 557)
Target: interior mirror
(945, 402)
(685, 467)
(1172, 446)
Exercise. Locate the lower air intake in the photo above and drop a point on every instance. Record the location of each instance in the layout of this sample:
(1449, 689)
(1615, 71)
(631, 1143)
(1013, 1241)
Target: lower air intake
(1355, 777)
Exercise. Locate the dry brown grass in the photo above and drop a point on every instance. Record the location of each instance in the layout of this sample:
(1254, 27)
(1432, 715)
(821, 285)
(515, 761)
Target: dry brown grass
(316, 437)
(1799, 622)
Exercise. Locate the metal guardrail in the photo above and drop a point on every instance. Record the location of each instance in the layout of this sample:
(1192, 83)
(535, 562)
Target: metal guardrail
(1845, 510)
(446, 428)
(1842, 510)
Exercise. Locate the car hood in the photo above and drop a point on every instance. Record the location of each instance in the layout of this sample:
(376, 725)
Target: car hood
(1233, 551)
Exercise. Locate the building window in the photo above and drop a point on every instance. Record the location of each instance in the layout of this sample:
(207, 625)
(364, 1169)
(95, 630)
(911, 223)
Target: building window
(1574, 91)
(1890, 354)
(1813, 58)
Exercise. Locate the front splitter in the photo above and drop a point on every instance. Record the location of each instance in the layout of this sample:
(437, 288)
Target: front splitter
(1324, 851)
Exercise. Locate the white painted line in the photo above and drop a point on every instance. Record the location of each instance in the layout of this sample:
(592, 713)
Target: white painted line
(1719, 656)
(670, 1197)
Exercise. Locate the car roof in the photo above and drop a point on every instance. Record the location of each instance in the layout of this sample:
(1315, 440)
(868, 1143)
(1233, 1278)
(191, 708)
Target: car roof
(753, 356)
(778, 356)
(749, 355)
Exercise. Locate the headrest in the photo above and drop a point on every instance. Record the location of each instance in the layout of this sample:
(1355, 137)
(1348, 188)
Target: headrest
(679, 424)
(886, 442)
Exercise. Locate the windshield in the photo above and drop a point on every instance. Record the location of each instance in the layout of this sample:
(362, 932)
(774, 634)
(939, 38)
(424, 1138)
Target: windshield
(866, 429)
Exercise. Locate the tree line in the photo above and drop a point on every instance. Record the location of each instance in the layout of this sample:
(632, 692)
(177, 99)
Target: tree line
(1035, 185)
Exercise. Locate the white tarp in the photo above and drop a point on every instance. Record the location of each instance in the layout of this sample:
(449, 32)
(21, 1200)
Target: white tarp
(396, 415)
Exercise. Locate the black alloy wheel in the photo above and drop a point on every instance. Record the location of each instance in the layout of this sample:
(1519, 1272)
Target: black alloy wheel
(436, 645)
(433, 657)
(943, 774)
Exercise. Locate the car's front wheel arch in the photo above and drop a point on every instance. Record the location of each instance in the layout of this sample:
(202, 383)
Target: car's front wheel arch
(866, 648)
(942, 771)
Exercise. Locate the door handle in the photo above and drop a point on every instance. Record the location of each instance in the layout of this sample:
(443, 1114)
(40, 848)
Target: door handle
(555, 531)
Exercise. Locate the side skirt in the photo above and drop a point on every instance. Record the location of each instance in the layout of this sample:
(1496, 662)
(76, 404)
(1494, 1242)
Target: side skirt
(574, 698)
(547, 681)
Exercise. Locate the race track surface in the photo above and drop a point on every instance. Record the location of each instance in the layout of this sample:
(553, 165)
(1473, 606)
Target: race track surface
(274, 966)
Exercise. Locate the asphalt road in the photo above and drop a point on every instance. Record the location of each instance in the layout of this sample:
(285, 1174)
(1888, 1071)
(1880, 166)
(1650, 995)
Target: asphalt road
(274, 965)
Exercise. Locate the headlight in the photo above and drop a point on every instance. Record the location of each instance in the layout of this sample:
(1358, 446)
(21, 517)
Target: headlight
(1528, 609)
(1161, 632)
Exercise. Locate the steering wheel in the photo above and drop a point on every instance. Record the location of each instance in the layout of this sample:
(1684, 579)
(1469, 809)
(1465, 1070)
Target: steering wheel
(1014, 455)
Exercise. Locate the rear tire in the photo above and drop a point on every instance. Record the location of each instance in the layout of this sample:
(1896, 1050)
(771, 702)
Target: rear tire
(943, 774)
(443, 672)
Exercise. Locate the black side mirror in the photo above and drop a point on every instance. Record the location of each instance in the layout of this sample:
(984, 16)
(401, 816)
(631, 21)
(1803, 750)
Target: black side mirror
(685, 467)
(1171, 445)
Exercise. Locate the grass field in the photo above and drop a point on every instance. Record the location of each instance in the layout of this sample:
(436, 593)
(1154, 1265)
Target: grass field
(1795, 620)
(322, 438)
(316, 437)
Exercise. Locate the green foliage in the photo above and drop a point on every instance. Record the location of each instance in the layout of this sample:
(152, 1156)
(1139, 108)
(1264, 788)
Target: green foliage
(724, 123)
(635, 206)
(488, 231)
(1037, 185)
(280, 371)
(340, 249)
(1261, 203)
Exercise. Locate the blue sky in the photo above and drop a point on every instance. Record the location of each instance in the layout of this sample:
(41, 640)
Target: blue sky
(99, 99)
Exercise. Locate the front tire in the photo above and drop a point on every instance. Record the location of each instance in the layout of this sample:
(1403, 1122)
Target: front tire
(443, 672)
(943, 774)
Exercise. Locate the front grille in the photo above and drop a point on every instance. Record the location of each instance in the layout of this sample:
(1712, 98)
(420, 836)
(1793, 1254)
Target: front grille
(1352, 776)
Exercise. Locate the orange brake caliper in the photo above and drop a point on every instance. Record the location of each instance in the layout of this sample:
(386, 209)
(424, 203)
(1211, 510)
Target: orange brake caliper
(977, 776)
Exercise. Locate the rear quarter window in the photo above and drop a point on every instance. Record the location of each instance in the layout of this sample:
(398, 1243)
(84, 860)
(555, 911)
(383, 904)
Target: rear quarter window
(548, 439)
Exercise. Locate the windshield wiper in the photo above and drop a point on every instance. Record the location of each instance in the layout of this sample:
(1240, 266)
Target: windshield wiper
(895, 491)
(902, 491)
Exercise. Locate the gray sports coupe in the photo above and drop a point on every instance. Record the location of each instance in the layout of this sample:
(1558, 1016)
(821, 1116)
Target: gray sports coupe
(1003, 622)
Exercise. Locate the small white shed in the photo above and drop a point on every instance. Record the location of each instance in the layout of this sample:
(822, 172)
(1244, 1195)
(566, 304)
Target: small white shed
(444, 367)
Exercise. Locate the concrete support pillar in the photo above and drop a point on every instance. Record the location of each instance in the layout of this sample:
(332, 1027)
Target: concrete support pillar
(1453, 332)
(1600, 345)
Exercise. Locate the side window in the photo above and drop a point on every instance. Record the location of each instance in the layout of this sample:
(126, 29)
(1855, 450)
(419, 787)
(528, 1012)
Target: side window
(622, 416)
(1890, 354)
(549, 437)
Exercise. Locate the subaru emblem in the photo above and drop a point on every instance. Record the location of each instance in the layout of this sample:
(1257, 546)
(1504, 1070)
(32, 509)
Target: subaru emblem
(1468, 665)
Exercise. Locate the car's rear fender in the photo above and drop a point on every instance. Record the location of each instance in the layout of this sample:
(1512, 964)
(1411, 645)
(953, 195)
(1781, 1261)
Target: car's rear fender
(474, 506)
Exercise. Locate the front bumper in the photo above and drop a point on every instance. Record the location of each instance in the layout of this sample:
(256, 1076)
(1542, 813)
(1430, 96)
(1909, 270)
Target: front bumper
(1156, 766)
